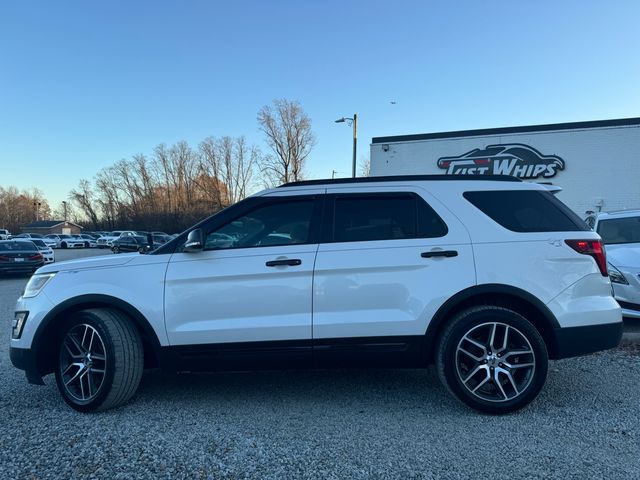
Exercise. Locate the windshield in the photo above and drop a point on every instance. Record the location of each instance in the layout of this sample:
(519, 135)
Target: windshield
(39, 243)
(620, 230)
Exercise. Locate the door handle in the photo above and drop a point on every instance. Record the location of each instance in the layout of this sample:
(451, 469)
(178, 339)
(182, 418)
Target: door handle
(440, 253)
(287, 261)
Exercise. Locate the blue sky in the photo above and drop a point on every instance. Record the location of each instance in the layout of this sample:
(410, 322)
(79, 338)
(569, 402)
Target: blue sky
(84, 84)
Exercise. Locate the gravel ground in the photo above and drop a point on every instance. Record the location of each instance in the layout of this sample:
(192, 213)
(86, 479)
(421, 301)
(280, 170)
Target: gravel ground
(340, 424)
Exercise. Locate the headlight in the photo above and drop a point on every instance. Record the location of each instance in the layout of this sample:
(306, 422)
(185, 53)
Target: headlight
(36, 284)
(616, 275)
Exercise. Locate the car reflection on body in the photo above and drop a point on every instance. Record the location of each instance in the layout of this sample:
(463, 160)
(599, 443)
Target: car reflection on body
(19, 256)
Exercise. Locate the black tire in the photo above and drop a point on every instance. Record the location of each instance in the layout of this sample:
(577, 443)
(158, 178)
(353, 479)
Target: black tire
(63, 245)
(116, 250)
(140, 250)
(86, 244)
(506, 352)
(113, 360)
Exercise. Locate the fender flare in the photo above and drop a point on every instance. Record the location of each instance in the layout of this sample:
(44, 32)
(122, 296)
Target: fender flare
(547, 323)
(82, 302)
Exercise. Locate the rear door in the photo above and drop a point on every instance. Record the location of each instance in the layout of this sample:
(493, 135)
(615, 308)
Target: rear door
(390, 258)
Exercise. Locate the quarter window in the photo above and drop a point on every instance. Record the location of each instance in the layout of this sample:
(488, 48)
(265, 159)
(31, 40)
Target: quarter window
(526, 210)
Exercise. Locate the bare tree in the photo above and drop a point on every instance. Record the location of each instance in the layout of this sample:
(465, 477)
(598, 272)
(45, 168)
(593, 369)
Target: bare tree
(289, 136)
(19, 208)
(227, 166)
(365, 167)
(83, 198)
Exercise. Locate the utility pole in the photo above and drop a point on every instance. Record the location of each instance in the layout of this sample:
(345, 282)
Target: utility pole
(64, 207)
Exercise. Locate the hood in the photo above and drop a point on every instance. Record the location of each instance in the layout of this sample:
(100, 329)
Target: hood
(627, 255)
(90, 262)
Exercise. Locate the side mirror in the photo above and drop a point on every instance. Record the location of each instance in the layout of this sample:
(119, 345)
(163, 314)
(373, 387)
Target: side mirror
(194, 242)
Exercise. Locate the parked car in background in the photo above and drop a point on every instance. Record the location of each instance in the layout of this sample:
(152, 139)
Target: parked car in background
(89, 240)
(160, 239)
(130, 243)
(106, 241)
(46, 251)
(65, 241)
(4, 234)
(27, 235)
(19, 256)
(620, 232)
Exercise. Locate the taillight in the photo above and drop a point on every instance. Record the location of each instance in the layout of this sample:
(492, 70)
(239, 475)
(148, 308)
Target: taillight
(593, 248)
(3, 258)
(37, 256)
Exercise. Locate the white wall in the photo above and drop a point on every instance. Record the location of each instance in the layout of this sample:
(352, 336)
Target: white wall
(600, 163)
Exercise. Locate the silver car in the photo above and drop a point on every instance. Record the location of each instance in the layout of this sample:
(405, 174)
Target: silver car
(620, 232)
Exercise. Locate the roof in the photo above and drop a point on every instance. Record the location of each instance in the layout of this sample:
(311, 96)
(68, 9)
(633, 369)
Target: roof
(620, 122)
(48, 224)
(404, 178)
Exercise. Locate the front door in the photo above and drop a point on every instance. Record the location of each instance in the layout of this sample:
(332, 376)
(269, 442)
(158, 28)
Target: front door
(253, 281)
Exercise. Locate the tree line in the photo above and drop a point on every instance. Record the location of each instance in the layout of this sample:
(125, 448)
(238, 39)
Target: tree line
(176, 185)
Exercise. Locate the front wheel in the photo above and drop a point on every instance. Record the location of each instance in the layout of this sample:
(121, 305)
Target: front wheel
(115, 250)
(492, 359)
(63, 245)
(100, 360)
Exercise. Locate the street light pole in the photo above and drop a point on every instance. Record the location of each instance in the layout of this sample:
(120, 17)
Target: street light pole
(352, 121)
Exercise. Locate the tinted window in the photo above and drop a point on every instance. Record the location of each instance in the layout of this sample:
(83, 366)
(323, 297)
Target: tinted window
(620, 230)
(527, 211)
(384, 217)
(279, 223)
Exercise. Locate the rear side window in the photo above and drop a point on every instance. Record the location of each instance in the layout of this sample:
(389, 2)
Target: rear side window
(365, 217)
(527, 211)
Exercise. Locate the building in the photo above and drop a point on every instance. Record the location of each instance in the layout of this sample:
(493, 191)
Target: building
(596, 163)
(45, 227)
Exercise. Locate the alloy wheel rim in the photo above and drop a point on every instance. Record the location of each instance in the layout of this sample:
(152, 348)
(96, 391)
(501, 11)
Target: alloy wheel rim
(495, 362)
(83, 361)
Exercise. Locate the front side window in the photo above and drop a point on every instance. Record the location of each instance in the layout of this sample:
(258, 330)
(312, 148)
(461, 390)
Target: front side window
(277, 223)
(369, 217)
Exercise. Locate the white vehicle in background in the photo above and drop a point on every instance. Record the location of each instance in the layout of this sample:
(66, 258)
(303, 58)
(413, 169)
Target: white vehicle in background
(65, 241)
(106, 241)
(620, 232)
(45, 250)
(486, 277)
(4, 234)
(89, 241)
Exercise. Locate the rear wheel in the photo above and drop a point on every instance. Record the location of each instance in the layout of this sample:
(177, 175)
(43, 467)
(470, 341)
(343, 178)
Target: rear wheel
(492, 359)
(63, 245)
(100, 360)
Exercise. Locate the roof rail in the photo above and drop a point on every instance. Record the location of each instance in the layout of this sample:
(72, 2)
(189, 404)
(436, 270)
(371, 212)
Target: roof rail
(403, 178)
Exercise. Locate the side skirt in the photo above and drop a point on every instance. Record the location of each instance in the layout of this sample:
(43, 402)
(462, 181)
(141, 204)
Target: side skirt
(366, 352)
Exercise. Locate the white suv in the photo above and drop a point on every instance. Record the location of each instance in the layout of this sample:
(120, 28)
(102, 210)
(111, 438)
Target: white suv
(620, 231)
(486, 277)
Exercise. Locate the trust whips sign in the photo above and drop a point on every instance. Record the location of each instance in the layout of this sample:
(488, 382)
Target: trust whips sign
(514, 159)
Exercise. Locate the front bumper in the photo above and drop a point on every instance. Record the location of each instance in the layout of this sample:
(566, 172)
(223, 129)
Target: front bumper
(576, 341)
(25, 359)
